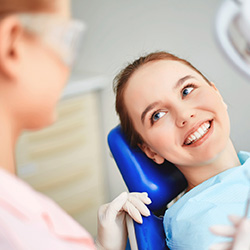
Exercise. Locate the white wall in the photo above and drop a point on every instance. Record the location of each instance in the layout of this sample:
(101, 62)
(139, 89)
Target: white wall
(121, 30)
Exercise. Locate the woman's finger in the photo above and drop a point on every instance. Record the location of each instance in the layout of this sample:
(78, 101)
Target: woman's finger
(133, 212)
(226, 231)
(139, 204)
(142, 196)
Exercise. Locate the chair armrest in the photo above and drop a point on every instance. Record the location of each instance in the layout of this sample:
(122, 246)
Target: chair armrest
(131, 233)
(149, 232)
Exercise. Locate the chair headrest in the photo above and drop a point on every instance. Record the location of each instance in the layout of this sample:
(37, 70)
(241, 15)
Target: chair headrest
(141, 174)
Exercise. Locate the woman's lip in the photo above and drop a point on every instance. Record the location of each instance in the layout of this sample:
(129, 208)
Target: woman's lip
(191, 131)
(204, 138)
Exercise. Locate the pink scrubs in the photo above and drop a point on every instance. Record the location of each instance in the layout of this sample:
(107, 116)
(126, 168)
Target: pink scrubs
(31, 221)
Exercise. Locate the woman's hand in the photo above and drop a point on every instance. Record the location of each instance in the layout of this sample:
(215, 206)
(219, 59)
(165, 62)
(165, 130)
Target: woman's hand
(239, 232)
(112, 230)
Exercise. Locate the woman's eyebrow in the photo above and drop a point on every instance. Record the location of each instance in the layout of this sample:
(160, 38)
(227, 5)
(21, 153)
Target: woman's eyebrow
(182, 80)
(152, 105)
(147, 109)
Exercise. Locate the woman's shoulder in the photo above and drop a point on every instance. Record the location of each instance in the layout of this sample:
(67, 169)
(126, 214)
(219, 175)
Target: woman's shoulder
(20, 203)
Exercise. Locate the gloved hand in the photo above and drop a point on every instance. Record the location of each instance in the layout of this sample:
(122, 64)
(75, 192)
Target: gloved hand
(112, 230)
(239, 232)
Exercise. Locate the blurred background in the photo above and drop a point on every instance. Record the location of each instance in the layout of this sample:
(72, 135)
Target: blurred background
(118, 32)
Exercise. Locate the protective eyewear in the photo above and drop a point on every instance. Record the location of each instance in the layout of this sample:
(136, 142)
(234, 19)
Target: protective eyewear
(64, 36)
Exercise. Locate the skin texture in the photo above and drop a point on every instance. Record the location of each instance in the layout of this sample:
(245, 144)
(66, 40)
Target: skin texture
(28, 93)
(179, 110)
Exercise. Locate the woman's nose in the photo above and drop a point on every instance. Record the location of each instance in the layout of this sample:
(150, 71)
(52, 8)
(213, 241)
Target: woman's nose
(183, 116)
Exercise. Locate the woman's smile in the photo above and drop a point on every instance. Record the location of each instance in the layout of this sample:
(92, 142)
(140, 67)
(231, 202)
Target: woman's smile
(198, 134)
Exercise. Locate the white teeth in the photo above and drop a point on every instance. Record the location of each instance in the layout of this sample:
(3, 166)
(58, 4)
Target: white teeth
(200, 132)
(196, 134)
(193, 137)
(204, 127)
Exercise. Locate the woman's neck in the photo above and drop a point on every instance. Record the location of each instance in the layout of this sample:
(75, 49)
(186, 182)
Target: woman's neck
(8, 135)
(225, 160)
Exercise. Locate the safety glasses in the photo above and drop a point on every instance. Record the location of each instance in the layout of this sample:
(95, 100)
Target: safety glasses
(64, 36)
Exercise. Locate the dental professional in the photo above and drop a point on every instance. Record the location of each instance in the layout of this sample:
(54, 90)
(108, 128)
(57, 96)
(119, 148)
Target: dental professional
(173, 112)
(37, 49)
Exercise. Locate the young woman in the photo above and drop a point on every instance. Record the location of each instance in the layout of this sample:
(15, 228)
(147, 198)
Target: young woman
(37, 49)
(174, 113)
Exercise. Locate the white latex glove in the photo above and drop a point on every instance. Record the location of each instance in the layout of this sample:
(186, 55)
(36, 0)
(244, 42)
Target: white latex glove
(112, 230)
(239, 232)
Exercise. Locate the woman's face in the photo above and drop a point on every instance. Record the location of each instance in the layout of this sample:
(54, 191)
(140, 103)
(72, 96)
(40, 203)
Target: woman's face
(180, 116)
(41, 78)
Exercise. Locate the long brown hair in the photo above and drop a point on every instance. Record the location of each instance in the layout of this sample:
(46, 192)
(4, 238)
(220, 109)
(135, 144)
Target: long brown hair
(120, 83)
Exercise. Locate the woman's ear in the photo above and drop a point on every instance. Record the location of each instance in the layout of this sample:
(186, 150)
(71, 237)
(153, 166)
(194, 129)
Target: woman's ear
(218, 92)
(10, 33)
(151, 154)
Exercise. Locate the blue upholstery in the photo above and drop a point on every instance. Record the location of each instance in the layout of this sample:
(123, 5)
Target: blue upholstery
(162, 183)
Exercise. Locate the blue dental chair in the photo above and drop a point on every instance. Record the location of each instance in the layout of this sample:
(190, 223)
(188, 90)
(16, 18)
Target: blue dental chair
(162, 183)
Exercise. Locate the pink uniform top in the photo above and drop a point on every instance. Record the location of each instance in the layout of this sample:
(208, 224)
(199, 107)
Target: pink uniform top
(31, 221)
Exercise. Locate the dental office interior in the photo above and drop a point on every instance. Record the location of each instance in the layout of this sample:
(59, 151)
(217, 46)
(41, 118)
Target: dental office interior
(70, 161)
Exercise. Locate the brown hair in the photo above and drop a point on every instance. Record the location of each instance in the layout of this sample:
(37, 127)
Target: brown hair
(120, 83)
(14, 6)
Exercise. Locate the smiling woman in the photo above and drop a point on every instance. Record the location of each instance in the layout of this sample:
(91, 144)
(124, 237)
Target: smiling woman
(172, 108)
(173, 112)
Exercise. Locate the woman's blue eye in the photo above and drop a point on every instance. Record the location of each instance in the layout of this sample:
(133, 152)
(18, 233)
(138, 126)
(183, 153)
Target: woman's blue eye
(157, 116)
(187, 91)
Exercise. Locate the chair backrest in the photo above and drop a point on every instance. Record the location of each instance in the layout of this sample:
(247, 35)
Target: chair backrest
(162, 183)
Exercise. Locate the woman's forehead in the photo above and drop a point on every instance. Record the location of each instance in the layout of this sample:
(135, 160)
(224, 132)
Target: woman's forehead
(168, 71)
(62, 8)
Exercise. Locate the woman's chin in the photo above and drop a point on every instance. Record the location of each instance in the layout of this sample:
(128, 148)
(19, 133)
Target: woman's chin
(42, 122)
